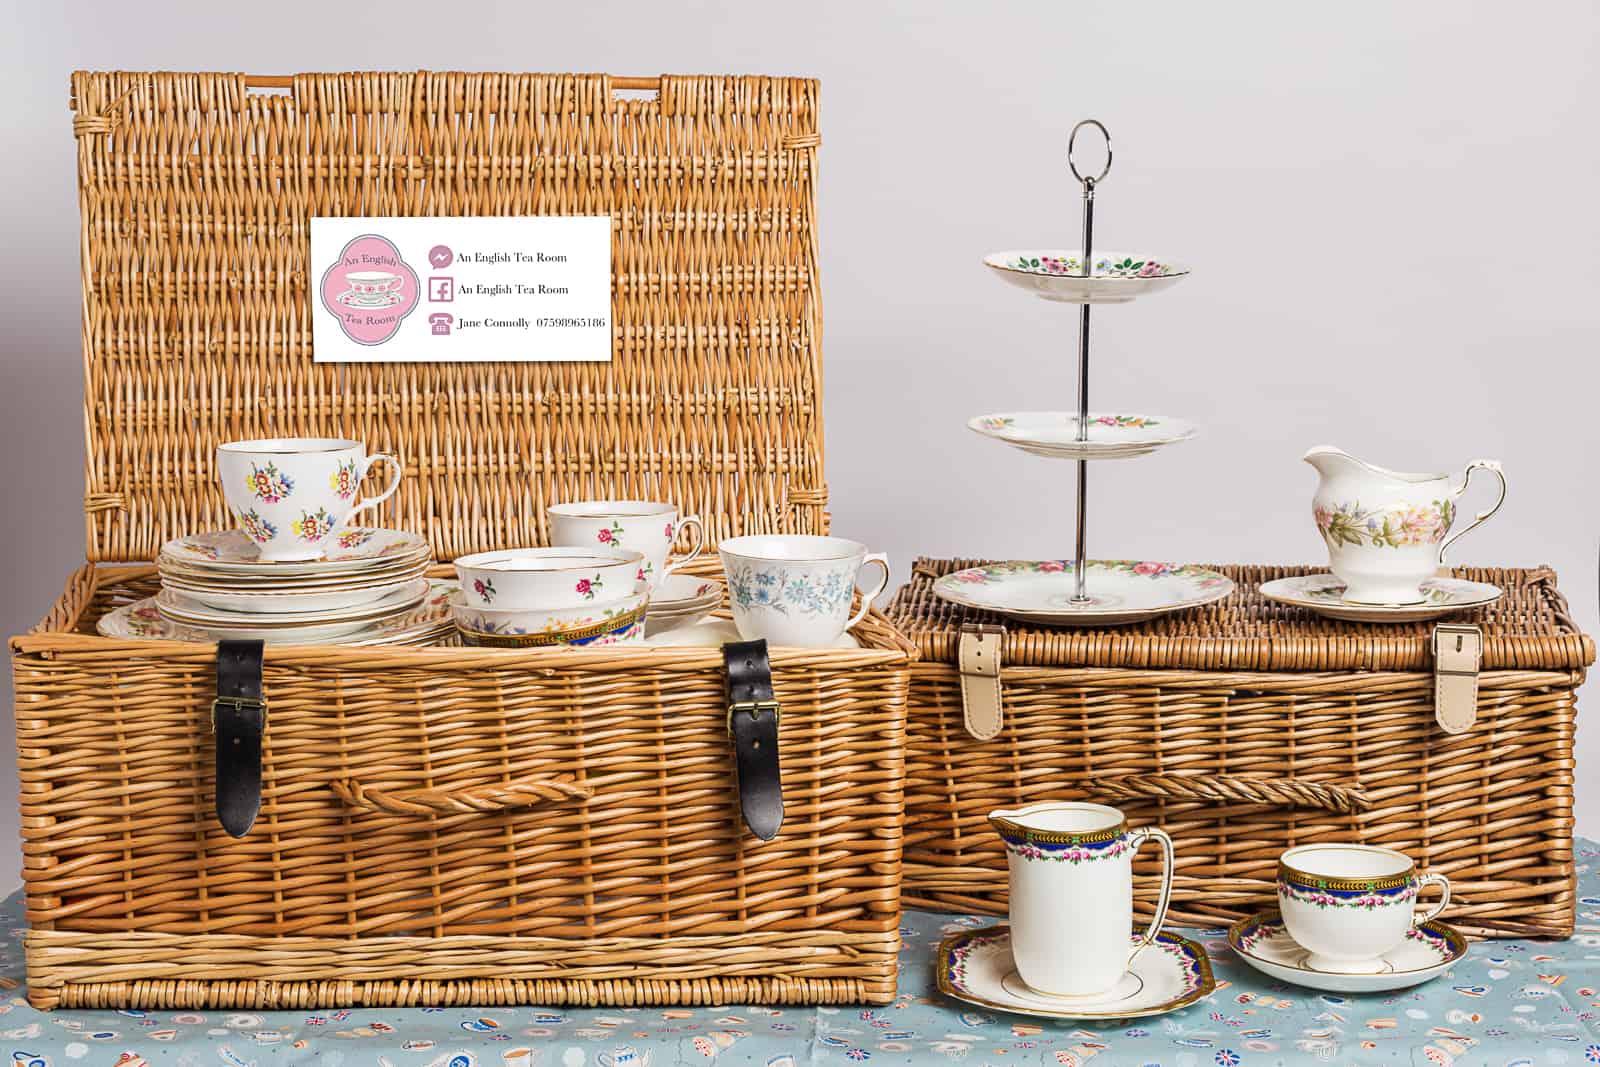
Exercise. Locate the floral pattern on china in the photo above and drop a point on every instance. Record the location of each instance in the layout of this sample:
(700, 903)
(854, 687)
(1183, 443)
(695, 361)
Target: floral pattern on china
(1105, 267)
(1369, 899)
(312, 526)
(269, 483)
(996, 572)
(806, 595)
(1348, 523)
(345, 480)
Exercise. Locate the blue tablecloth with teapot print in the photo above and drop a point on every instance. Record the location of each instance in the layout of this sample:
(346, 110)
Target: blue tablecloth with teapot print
(1509, 1002)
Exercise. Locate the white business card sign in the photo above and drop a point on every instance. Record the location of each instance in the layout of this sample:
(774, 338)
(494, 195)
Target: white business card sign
(471, 290)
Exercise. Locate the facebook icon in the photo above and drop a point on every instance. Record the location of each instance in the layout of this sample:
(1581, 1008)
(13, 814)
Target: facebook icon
(441, 290)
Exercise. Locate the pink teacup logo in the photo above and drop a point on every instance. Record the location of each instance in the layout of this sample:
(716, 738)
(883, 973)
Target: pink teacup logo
(370, 289)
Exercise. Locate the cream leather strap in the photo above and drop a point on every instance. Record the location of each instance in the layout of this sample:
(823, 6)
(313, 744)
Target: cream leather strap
(978, 659)
(1457, 657)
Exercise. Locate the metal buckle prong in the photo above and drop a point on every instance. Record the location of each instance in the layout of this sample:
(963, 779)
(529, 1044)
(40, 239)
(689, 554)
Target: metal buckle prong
(754, 707)
(238, 705)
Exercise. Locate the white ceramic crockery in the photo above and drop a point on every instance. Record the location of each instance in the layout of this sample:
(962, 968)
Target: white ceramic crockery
(1387, 531)
(1120, 591)
(976, 967)
(1427, 952)
(1350, 904)
(551, 622)
(795, 589)
(1110, 435)
(1325, 595)
(646, 526)
(1071, 892)
(1055, 274)
(545, 578)
(289, 494)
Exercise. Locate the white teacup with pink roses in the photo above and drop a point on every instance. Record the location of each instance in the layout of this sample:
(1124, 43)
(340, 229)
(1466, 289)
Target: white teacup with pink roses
(645, 526)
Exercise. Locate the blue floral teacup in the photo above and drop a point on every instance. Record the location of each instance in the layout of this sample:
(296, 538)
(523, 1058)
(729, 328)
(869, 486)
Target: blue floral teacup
(796, 589)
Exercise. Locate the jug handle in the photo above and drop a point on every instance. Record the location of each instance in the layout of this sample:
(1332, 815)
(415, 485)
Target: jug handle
(1139, 837)
(1493, 467)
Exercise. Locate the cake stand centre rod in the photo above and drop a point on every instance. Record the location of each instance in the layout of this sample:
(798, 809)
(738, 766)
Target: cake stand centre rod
(1080, 594)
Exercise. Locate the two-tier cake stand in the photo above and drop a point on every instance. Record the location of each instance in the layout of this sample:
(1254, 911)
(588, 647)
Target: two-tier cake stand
(1079, 591)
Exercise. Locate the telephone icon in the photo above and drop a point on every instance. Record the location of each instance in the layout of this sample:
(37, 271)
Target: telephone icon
(441, 321)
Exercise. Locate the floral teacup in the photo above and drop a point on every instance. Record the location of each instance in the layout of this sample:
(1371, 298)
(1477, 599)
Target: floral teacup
(795, 589)
(1349, 904)
(645, 525)
(525, 579)
(289, 494)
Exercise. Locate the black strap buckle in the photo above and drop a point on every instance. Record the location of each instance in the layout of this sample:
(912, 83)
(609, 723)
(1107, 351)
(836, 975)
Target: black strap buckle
(753, 715)
(238, 720)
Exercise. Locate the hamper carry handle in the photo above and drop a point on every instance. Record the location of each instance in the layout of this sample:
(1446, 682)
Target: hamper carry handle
(485, 799)
(1290, 792)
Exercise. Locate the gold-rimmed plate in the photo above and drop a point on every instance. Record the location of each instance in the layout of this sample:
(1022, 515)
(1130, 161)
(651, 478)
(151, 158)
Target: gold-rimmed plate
(1427, 952)
(1170, 974)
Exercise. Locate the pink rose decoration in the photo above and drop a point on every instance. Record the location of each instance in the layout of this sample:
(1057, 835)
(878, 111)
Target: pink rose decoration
(669, 531)
(583, 585)
(1150, 568)
(1051, 566)
(605, 536)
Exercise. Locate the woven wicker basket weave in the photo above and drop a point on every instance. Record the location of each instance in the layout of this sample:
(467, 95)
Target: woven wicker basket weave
(1246, 727)
(451, 825)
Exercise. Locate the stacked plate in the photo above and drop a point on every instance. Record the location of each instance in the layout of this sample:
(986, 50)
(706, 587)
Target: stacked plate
(370, 587)
(681, 600)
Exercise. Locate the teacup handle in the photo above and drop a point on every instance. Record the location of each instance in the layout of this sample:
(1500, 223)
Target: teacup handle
(699, 542)
(867, 598)
(1139, 837)
(1493, 467)
(394, 483)
(1444, 896)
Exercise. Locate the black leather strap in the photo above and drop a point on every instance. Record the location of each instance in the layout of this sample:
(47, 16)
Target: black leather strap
(238, 718)
(753, 723)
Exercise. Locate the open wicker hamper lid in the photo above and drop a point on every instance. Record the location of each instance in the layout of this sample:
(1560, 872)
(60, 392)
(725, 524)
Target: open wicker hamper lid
(1529, 628)
(196, 192)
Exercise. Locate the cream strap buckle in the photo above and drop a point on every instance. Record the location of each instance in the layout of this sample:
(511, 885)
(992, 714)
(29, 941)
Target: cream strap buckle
(1457, 658)
(978, 660)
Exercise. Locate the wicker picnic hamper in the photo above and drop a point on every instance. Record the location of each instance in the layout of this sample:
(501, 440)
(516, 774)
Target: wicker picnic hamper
(1246, 727)
(451, 825)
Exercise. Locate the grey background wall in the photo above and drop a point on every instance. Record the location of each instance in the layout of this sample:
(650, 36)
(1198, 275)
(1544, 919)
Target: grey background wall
(1389, 209)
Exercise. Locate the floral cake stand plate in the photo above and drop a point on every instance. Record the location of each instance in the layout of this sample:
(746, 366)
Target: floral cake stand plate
(1054, 434)
(1120, 591)
(1427, 952)
(1324, 594)
(1057, 274)
(976, 967)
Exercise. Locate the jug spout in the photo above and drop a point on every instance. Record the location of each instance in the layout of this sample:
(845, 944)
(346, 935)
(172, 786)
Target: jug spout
(1329, 460)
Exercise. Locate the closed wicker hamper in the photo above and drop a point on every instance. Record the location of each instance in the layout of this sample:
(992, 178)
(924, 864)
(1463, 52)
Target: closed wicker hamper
(1246, 727)
(451, 825)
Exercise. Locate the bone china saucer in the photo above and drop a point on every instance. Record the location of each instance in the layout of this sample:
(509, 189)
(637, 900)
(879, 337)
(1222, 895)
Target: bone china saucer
(976, 967)
(1427, 952)
(1054, 434)
(1323, 594)
(1117, 278)
(1120, 591)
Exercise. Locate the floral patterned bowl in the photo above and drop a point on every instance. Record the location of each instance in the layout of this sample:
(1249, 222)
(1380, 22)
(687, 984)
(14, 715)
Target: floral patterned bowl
(1057, 274)
(602, 624)
(528, 579)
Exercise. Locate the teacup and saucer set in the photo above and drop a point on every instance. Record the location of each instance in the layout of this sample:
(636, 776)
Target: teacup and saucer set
(1386, 533)
(1069, 951)
(1346, 922)
(370, 289)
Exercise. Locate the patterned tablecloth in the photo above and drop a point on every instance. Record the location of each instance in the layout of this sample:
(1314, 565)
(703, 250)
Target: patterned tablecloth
(1510, 1002)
